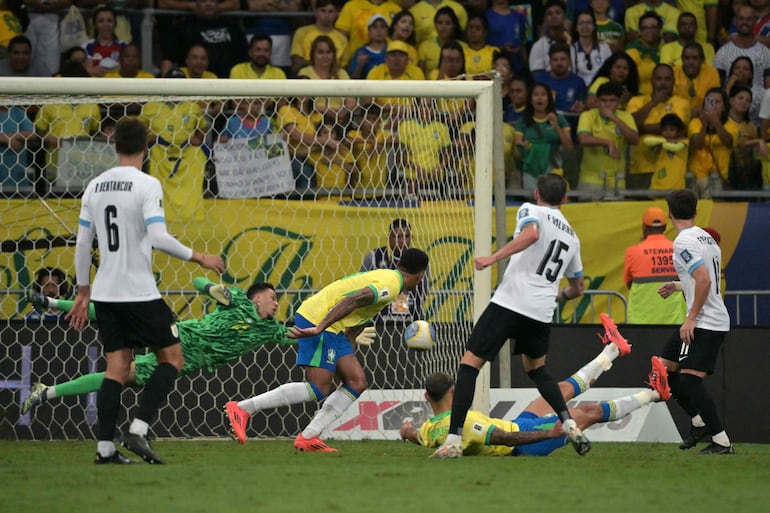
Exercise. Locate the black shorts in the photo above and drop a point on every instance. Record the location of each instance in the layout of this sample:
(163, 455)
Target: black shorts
(498, 324)
(700, 355)
(139, 324)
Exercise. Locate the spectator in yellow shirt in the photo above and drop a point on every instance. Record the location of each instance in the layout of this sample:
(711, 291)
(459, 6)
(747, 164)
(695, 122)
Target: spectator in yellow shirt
(258, 67)
(671, 148)
(694, 77)
(712, 136)
(447, 29)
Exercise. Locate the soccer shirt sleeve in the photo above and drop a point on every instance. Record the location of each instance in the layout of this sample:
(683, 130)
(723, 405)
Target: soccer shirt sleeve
(83, 243)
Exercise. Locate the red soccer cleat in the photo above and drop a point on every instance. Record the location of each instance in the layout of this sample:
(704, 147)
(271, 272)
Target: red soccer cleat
(611, 334)
(238, 419)
(313, 444)
(659, 379)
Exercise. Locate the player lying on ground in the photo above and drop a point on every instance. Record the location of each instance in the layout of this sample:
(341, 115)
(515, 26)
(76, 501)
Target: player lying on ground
(537, 431)
(240, 323)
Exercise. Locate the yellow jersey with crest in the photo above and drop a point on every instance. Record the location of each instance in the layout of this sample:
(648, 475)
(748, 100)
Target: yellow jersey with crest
(476, 432)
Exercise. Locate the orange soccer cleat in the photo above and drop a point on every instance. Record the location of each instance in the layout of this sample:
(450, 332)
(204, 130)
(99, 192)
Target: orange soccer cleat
(313, 444)
(611, 334)
(658, 379)
(238, 419)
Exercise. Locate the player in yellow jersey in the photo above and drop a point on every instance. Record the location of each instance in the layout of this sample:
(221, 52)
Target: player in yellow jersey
(537, 430)
(326, 323)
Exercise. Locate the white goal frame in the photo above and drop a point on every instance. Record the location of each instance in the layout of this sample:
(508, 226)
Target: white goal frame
(485, 93)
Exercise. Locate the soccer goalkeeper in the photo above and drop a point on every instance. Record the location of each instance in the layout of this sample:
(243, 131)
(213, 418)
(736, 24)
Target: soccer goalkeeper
(240, 323)
(536, 432)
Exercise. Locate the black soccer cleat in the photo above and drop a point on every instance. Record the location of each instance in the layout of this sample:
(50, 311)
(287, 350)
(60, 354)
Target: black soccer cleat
(715, 448)
(696, 434)
(116, 458)
(141, 447)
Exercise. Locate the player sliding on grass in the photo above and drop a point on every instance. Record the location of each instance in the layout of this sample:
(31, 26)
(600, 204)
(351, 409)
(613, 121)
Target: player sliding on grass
(537, 431)
(241, 322)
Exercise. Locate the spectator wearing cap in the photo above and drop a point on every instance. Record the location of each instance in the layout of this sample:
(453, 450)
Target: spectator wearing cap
(354, 19)
(648, 265)
(373, 52)
(396, 67)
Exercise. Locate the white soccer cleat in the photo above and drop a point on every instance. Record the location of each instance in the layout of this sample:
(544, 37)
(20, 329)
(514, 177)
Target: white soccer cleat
(448, 451)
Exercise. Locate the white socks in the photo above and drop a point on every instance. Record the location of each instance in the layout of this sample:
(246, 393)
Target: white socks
(697, 421)
(139, 427)
(619, 408)
(105, 448)
(334, 406)
(284, 395)
(591, 371)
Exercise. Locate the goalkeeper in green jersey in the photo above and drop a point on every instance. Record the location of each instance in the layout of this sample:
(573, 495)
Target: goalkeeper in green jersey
(240, 323)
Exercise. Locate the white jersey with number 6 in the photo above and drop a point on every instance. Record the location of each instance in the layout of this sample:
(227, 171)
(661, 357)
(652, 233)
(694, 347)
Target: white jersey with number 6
(694, 247)
(119, 204)
(531, 280)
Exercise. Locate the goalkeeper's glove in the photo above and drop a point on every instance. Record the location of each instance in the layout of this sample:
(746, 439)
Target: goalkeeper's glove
(366, 337)
(219, 292)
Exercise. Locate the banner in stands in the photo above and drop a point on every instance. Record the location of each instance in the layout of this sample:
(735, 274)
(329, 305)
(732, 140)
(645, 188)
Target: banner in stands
(80, 160)
(253, 168)
(301, 246)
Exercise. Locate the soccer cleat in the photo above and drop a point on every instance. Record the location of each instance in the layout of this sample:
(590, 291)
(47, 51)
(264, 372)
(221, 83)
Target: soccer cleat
(139, 445)
(448, 452)
(576, 437)
(238, 418)
(116, 458)
(36, 396)
(658, 379)
(715, 448)
(313, 444)
(36, 298)
(611, 334)
(696, 434)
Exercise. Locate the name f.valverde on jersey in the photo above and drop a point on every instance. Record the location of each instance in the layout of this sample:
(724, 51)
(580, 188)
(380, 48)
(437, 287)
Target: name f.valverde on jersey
(532, 290)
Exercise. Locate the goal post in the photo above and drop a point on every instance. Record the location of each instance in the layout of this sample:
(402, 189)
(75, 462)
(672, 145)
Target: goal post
(298, 242)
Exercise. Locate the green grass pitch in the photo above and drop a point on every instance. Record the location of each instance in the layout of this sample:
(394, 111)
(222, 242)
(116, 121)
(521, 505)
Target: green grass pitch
(210, 476)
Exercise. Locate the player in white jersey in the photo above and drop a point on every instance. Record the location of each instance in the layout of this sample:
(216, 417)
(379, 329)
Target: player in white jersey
(123, 208)
(691, 353)
(543, 250)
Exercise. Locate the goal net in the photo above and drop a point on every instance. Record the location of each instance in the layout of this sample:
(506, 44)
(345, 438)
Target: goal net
(293, 183)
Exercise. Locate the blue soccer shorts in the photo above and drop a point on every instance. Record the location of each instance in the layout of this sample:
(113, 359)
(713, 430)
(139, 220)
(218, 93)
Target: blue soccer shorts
(323, 350)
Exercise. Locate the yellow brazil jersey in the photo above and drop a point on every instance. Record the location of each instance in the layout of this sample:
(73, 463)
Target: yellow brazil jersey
(424, 143)
(65, 120)
(306, 123)
(714, 156)
(354, 20)
(115, 73)
(668, 12)
(468, 165)
(698, 8)
(643, 160)
(302, 41)
(381, 72)
(424, 12)
(429, 54)
(371, 157)
(206, 74)
(479, 61)
(671, 53)
(320, 102)
(245, 71)
(476, 432)
(671, 167)
(386, 284)
(10, 27)
(595, 158)
(645, 64)
(695, 89)
(179, 166)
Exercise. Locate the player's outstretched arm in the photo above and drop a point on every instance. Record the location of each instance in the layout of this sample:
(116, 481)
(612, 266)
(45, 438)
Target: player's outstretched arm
(514, 438)
(217, 292)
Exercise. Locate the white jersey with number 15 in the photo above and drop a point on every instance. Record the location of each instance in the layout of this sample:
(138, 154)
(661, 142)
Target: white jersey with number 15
(531, 280)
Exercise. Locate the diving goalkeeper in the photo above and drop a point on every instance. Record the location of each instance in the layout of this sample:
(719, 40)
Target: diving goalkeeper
(240, 323)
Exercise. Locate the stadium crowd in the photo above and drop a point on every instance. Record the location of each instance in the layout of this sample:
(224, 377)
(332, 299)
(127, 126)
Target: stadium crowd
(613, 94)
